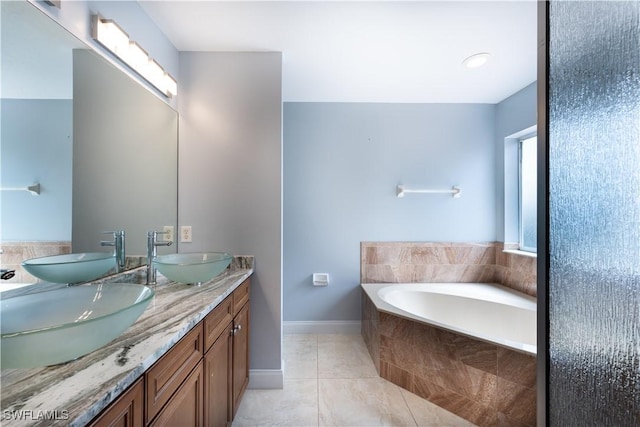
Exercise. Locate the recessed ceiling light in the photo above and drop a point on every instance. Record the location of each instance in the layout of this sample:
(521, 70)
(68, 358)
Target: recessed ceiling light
(477, 60)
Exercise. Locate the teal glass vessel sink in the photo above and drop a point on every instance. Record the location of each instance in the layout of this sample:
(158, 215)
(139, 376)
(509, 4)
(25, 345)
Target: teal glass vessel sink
(193, 267)
(51, 327)
(70, 268)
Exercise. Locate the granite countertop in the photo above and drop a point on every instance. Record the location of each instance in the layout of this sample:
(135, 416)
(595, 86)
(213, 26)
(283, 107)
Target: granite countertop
(73, 393)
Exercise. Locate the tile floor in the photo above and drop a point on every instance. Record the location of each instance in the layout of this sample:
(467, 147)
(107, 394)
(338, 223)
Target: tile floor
(330, 380)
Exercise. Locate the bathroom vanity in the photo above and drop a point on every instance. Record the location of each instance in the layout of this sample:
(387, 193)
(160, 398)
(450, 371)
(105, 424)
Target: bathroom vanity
(184, 362)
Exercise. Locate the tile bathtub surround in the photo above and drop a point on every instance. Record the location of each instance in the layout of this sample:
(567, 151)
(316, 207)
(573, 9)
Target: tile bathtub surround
(483, 383)
(85, 386)
(13, 253)
(516, 272)
(414, 262)
(331, 381)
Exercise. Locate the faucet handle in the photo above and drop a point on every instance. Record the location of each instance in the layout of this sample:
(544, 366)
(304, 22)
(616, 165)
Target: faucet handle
(153, 235)
(116, 234)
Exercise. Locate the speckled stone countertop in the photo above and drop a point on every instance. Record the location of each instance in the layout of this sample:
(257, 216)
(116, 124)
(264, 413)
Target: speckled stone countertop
(74, 393)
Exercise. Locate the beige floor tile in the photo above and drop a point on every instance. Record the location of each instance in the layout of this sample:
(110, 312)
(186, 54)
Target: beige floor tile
(296, 405)
(348, 393)
(299, 337)
(344, 356)
(427, 414)
(338, 337)
(300, 353)
(363, 402)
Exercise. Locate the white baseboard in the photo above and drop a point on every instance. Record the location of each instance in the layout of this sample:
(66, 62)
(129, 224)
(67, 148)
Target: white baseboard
(266, 378)
(321, 327)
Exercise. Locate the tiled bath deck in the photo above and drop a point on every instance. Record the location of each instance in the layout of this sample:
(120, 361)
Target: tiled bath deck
(330, 380)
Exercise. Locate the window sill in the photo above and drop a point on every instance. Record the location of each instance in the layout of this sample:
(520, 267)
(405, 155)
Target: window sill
(518, 252)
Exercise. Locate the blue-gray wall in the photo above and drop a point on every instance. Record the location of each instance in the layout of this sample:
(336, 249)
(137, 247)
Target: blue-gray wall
(342, 163)
(36, 147)
(230, 178)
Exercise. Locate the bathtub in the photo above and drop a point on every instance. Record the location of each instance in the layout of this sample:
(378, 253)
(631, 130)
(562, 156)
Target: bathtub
(487, 312)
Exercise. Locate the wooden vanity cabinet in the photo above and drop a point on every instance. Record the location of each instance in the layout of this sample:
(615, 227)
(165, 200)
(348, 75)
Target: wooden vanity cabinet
(199, 381)
(240, 356)
(126, 411)
(218, 410)
(185, 408)
(171, 370)
(240, 296)
(217, 321)
(226, 363)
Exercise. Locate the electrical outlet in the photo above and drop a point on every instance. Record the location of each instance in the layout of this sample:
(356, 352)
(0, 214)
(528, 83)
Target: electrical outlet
(185, 234)
(168, 233)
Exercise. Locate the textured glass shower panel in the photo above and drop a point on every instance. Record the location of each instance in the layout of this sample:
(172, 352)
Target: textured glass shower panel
(594, 202)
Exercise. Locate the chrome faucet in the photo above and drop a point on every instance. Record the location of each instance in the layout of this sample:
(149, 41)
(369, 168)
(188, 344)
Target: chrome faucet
(152, 246)
(118, 248)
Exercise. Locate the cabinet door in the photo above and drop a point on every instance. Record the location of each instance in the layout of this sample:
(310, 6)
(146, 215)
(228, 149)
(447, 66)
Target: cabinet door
(240, 355)
(126, 411)
(217, 381)
(185, 409)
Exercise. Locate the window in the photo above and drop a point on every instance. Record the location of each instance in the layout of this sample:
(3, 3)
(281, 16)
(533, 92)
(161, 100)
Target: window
(528, 193)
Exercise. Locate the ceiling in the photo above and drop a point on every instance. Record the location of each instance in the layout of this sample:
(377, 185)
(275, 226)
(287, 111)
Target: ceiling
(361, 51)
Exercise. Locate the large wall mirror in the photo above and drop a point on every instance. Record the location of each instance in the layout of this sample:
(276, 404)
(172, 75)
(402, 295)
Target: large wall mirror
(102, 147)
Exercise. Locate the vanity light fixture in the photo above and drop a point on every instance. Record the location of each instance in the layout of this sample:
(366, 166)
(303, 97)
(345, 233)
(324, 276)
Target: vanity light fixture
(477, 60)
(116, 40)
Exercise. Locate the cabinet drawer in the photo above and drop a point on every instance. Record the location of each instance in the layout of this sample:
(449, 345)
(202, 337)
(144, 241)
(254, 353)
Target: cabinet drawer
(216, 321)
(164, 378)
(126, 411)
(240, 296)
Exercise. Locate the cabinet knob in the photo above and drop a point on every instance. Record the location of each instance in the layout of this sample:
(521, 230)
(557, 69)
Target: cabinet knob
(236, 329)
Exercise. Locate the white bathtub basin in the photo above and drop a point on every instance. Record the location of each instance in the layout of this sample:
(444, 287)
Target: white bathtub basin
(485, 311)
